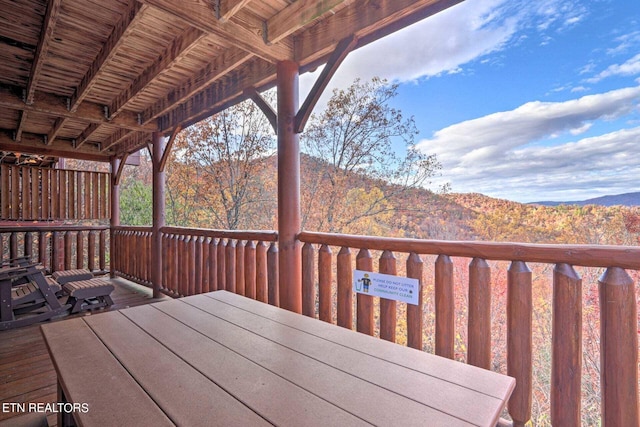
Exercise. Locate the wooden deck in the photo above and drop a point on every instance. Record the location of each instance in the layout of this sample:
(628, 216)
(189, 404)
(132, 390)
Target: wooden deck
(26, 372)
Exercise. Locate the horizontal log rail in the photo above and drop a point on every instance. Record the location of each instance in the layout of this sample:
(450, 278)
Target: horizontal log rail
(618, 335)
(57, 247)
(627, 257)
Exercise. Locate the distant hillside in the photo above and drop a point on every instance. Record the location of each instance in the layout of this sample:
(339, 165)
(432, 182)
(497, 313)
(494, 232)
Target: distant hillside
(626, 199)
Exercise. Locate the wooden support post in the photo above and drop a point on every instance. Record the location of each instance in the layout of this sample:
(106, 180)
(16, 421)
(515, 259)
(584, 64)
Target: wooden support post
(289, 223)
(159, 145)
(115, 211)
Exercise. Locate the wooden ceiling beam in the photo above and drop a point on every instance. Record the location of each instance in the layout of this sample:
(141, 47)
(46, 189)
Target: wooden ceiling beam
(175, 53)
(50, 19)
(86, 134)
(225, 9)
(114, 139)
(220, 95)
(133, 143)
(23, 119)
(108, 51)
(296, 16)
(57, 127)
(52, 105)
(201, 15)
(33, 144)
(223, 64)
(366, 22)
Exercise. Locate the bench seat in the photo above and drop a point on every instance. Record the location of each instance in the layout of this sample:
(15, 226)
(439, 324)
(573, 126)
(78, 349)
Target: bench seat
(89, 294)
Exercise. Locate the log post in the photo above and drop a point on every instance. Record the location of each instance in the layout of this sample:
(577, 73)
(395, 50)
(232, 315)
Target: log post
(519, 342)
(618, 349)
(115, 214)
(289, 223)
(159, 145)
(479, 324)
(388, 308)
(364, 303)
(566, 363)
(445, 307)
(415, 267)
(308, 280)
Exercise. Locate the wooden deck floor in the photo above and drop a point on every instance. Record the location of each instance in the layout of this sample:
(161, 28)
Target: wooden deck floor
(26, 372)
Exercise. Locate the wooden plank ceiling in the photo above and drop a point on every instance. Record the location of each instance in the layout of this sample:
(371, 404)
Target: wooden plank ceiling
(92, 79)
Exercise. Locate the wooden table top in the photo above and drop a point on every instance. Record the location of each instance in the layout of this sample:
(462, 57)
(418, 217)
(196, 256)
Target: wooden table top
(222, 359)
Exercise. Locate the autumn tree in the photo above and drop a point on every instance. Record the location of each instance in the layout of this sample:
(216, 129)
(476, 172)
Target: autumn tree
(358, 176)
(217, 176)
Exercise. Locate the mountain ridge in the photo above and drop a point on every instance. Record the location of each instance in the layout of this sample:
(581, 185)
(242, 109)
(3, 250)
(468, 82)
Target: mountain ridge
(624, 199)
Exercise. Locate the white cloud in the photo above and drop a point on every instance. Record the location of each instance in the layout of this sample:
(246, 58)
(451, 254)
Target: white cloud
(630, 67)
(497, 154)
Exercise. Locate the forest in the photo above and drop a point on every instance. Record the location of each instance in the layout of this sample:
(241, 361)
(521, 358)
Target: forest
(222, 175)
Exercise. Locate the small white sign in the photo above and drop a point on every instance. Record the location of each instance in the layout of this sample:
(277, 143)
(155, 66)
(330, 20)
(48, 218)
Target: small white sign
(387, 286)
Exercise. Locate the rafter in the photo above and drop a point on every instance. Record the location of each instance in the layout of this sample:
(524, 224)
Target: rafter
(56, 106)
(225, 9)
(367, 23)
(342, 50)
(220, 95)
(50, 19)
(86, 134)
(201, 15)
(228, 61)
(57, 127)
(31, 143)
(115, 139)
(179, 49)
(23, 119)
(109, 49)
(296, 16)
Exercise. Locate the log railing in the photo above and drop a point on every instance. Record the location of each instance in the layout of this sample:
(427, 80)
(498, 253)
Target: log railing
(200, 260)
(57, 247)
(618, 311)
(131, 258)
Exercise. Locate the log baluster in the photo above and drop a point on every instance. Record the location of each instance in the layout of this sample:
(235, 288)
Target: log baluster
(262, 293)
(250, 269)
(519, 341)
(308, 280)
(273, 275)
(197, 260)
(388, 311)
(91, 251)
(566, 359)
(445, 307)
(13, 245)
(364, 303)
(67, 250)
(325, 275)
(230, 266)
(618, 348)
(42, 249)
(479, 322)
(28, 244)
(102, 252)
(240, 272)
(415, 268)
(345, 288)
(222, 284)
(205, 264)
(183, 265)
(213, 265)
(79, 249)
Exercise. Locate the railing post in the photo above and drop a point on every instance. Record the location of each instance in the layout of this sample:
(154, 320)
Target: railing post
(308, 281)
(262, 293)
(240, 281)
(414, 312)
(345, 288)
(325, 276)
(388, 311)
(566, 364)
(618, 349)
(250, 269)
(159, 145)
(364, 303)
(115, 212)
(289, 222)
(479, 323)
(273, 274)
(519, 346)
(445, 314)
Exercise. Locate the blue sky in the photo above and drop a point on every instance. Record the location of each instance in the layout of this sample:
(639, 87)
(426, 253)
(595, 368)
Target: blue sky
(520, 100)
